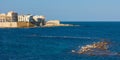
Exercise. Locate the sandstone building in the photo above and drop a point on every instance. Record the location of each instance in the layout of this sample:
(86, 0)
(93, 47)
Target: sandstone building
(9, 17)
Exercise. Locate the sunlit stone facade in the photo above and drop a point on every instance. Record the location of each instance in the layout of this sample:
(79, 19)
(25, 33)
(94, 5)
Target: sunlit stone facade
(12, 19)
(25, 18)
(9, 17)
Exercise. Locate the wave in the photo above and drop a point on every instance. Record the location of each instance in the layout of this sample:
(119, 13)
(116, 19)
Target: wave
(67, 37)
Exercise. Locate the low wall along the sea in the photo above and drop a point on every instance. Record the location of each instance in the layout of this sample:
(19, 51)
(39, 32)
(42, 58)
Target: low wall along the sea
(8, 24)
(15, 24)
(24, 24)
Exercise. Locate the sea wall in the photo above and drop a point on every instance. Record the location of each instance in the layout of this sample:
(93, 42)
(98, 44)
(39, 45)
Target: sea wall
(24, 24)
(8, 24)
(53, 22)
(15, 24)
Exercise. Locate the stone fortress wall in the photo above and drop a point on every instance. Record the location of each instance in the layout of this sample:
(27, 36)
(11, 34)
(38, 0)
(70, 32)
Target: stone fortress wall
(8, 24)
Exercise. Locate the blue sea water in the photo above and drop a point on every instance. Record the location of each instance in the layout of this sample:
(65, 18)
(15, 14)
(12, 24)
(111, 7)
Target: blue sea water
(56, 43)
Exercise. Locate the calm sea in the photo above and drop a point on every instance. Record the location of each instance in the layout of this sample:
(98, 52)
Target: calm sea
(56, 43)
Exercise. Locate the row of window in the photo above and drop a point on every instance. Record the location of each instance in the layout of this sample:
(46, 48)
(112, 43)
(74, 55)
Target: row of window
(6, 21)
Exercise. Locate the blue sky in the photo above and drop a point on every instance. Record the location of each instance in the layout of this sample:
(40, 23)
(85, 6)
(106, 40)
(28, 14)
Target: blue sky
(66, 10)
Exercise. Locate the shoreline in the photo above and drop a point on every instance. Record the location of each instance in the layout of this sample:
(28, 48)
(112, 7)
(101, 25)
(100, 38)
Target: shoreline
(60, 25)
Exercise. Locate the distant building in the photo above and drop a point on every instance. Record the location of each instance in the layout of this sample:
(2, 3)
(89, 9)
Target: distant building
(14, 16)
(39, 20)
(9, 17)
(12, 19)
(25, 18)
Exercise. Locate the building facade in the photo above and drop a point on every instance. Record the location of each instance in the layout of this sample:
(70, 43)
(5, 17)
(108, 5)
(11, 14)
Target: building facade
(39, 20)
(12, 19)
(25, 18)
(9, 17)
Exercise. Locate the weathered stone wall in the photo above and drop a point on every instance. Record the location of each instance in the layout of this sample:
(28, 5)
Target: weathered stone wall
(8, 24)
(24, 24)
(15, 24)
(52, 22)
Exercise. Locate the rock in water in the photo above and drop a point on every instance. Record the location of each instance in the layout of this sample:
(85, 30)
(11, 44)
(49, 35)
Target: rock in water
(99, 48)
